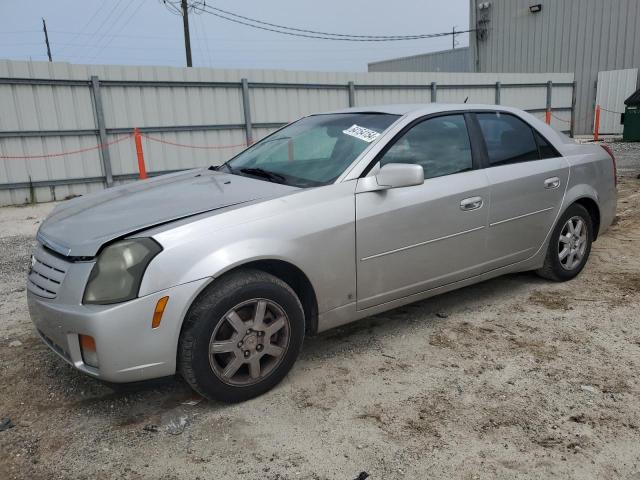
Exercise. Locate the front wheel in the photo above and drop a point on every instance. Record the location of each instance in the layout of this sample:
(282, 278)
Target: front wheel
(569, 245)
(241, 336)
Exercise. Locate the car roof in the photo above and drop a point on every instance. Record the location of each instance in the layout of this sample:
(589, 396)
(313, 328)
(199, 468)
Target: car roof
(423, 108)
(417, 110)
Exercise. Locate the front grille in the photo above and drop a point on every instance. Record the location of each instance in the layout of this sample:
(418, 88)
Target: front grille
(47, 273)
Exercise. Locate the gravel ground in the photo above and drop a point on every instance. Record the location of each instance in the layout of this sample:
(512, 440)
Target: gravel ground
(512, 378)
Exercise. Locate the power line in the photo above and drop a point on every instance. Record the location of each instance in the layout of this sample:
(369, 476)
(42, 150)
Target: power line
(306, 33)
(203, 28)
(104, 22)
(86, 25)
(198, 28)
(122, 27)
(108, 17)
(14, 32)
(105, 34)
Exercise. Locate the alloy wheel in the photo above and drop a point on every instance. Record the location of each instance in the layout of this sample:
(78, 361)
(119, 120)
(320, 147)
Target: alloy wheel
(572, 243)
(249, 342)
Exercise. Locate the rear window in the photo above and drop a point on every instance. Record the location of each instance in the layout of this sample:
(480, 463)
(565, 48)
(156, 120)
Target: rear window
(508, 139)
(546, 149)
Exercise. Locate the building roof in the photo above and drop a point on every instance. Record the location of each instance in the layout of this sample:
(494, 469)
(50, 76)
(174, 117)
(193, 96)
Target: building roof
(634, 99)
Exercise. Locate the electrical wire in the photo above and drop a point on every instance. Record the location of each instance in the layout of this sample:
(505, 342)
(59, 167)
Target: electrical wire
(86, 25)
(105, 20)
(108, 17)
(15, 32)
(315, 32)
(197, 38)
(173, 8)
(122, 27)
(203, 28)
(104, 35)
(325, 36)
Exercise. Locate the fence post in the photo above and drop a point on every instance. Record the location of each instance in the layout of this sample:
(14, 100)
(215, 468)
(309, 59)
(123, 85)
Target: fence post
(246, 107)
(352, 94)
(105, 157)
(142, 169)
(572, 124)
(547, 115)
(596, 124)
(434, 92)
(498, 86)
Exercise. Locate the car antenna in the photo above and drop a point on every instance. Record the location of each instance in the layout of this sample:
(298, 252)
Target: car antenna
(465, 100)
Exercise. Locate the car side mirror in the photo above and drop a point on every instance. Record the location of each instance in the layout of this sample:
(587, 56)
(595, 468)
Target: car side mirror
(393, 175)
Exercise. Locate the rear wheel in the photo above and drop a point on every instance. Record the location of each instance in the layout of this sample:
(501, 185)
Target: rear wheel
(241, 336)
(569, 245)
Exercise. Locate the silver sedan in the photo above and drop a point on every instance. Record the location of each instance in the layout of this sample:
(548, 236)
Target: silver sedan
(219, 273)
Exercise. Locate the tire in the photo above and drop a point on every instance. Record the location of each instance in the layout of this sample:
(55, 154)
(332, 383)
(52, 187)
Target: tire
(562, 269)
(218, 359)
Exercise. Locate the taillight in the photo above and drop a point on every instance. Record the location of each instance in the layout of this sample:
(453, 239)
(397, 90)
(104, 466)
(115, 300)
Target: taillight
(615, 168)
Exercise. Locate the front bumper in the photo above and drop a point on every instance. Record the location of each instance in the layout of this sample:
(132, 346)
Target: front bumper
(128, 348)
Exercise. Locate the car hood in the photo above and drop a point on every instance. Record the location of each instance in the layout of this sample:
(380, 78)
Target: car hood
(79, 227)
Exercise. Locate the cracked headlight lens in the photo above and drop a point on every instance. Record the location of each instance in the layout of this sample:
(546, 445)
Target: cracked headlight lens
(117, 274)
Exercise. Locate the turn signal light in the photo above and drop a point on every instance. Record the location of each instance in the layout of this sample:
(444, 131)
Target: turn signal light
(88, 349)
(157, 314)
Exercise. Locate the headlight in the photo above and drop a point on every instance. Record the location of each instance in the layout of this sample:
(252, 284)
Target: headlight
(117, 274)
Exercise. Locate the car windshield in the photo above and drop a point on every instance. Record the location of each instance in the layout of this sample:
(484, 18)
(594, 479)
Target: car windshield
(313, 151)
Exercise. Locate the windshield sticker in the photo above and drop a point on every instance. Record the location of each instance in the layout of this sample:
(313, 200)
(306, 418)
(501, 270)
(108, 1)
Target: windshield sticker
(361, 133)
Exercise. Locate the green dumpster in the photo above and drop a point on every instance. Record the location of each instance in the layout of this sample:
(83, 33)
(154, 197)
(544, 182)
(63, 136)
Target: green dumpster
(631, 118)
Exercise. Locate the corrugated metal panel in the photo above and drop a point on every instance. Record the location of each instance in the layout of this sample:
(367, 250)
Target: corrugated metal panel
(455, 60)
(614, 87)
(64, 107)
(581, 36)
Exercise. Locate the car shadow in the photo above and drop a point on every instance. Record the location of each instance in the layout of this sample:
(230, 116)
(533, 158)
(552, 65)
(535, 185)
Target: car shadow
(432, 310)
(148, 401)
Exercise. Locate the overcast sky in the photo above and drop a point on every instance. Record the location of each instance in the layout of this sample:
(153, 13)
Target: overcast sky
(144, 32)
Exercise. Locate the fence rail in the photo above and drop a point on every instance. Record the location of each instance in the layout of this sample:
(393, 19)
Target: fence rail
(53, 116)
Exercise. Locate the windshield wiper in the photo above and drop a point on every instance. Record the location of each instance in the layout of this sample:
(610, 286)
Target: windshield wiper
(259, 172)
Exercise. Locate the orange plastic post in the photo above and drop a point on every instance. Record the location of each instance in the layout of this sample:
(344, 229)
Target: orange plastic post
(547, 116)
(596, 124)
(141, 167)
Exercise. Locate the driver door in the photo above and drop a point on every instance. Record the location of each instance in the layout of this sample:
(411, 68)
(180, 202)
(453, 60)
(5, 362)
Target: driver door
(412, 239)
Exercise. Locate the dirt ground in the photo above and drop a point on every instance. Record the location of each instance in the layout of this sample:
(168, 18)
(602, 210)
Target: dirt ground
(513, 378)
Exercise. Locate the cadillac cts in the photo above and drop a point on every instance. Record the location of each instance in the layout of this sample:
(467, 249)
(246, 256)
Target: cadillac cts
(219, 273)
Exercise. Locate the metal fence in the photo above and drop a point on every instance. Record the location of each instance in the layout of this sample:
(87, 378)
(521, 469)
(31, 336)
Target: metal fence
(66, 129)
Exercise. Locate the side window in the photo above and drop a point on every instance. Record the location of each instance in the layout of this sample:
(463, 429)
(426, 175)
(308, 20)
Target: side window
(508, 139)
(440, 145)
(546, 149)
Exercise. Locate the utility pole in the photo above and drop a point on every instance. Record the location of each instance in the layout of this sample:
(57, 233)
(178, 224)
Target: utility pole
(453, 38)
(46, 39)
(187, 39)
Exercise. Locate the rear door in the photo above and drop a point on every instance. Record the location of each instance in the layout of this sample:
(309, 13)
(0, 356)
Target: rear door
(412, 239)
(527, 179)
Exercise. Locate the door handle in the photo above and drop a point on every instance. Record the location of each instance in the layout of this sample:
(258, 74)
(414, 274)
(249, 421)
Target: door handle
(472, 203)
(551, 183)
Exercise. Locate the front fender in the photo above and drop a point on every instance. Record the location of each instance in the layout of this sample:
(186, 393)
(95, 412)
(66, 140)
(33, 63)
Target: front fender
(175, 268)
(313, 230)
